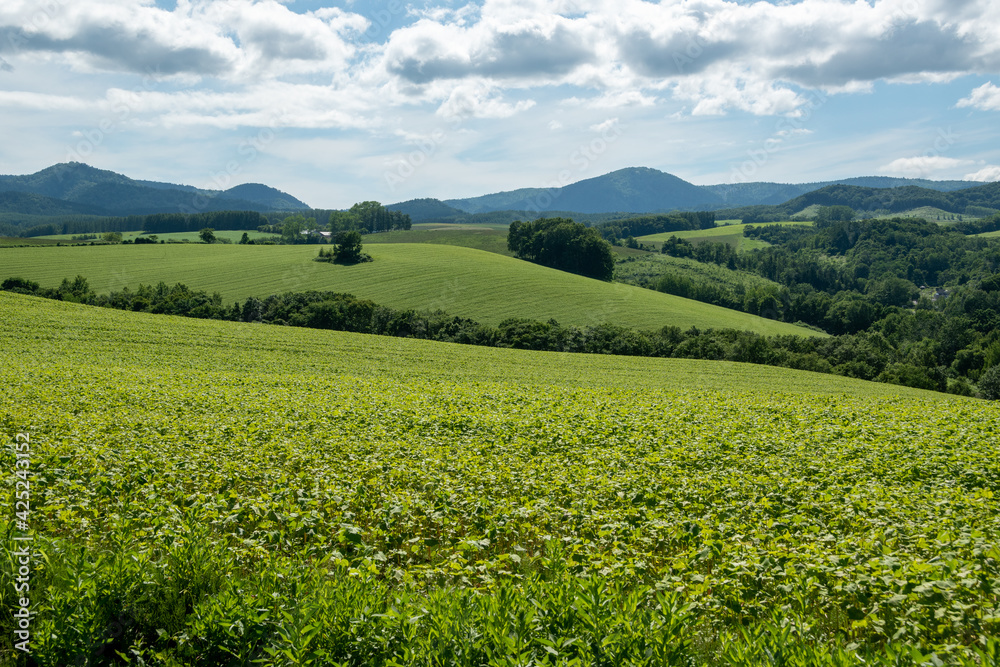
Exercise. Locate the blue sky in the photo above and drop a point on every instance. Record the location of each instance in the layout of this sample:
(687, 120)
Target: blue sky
(338, 102)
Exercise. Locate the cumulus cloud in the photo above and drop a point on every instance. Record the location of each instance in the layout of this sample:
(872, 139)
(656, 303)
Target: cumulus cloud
(478, 100)
(199, 37)
(490, 60)
(985, 98)
(545, 48)
(923, 166)
(720, 55)
(988, 173)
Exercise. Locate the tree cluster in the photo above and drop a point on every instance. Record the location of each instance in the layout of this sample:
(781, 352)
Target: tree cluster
(562, 244)
(346, 249)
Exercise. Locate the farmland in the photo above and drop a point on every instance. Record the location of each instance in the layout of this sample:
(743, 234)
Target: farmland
(731, 234)
(486, 287)
(232, 492)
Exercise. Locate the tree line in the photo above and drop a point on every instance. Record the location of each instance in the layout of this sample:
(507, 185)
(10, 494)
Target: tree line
(930, 295)
(869, 354)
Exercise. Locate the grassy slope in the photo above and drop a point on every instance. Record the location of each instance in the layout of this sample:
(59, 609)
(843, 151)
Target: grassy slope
(649, 267)
(461, 281)
(491, 238)
(17, 241)
(176, 459)
(59, 335)
(731, 234)
(193, 237)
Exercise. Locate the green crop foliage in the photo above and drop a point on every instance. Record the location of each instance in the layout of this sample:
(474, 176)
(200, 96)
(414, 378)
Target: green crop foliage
(219, 493)
(483, 286)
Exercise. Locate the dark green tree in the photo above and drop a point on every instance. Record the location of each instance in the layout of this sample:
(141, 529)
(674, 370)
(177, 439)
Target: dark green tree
(562, 244)
(207, 235)
(347, 248)
(989, 383)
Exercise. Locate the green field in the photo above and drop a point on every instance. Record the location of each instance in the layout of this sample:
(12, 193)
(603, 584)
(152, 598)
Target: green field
(16, 241)
(491, 238)
(731, 234)
(209, 493)
(647, 268)
(191, 237)
(460, 281)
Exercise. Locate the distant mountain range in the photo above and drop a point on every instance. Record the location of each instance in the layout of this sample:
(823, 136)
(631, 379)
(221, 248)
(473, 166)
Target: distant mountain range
(76, 188)
(645, 190)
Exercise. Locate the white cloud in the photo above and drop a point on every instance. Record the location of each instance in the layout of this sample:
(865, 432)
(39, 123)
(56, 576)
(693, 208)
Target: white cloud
(988, 173)
(477, 99)
(985, 98)
(715, 56)
(796, 132)
(602, 127)
(922, 166)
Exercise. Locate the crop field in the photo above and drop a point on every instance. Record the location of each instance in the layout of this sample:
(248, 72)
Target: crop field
(192, 237)
(646, 268)
(731, 234)
(207, 493)
(16, 241)
(461, 281)
(491, 238)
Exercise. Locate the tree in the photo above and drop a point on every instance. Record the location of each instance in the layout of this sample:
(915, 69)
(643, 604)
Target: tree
(347, 248)
(562, 244)
(341, 221)
(989, 383)
(112, 237)
(207, 235)
(245, 239)
(293, 226)
(373, 217)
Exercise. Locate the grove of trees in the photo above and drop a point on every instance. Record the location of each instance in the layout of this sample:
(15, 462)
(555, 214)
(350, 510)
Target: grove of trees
(562, 244)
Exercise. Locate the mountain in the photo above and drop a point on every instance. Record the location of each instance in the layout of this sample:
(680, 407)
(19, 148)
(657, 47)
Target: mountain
(634, 190)
(978, 201)
(899, 199)
(760, 193)
(271, 198)
(644, 190)
(426, 209)
(28, 203)
(109, 193)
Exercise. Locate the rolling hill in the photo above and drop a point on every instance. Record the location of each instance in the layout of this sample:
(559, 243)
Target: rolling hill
(760, 193)
(471, 283)
(109, 193)
(29, 203)
(644, 190)
(636, 189)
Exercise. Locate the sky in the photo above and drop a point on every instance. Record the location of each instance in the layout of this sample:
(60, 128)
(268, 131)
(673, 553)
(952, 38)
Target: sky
(340, 102)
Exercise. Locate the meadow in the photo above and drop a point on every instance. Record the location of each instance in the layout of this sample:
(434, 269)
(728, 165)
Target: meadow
(491, 238)
(483, 286)
(646, 268)
(221, 493)
(731, 234)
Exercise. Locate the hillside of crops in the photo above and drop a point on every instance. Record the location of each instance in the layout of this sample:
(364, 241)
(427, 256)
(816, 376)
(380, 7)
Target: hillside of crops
(220, 493)
(483, 286)
(730, 234)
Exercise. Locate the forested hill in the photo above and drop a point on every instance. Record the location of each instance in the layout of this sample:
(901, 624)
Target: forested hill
(81, 188)
(34, 204)
(896, 200)
(982, 200)
(636, 189)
